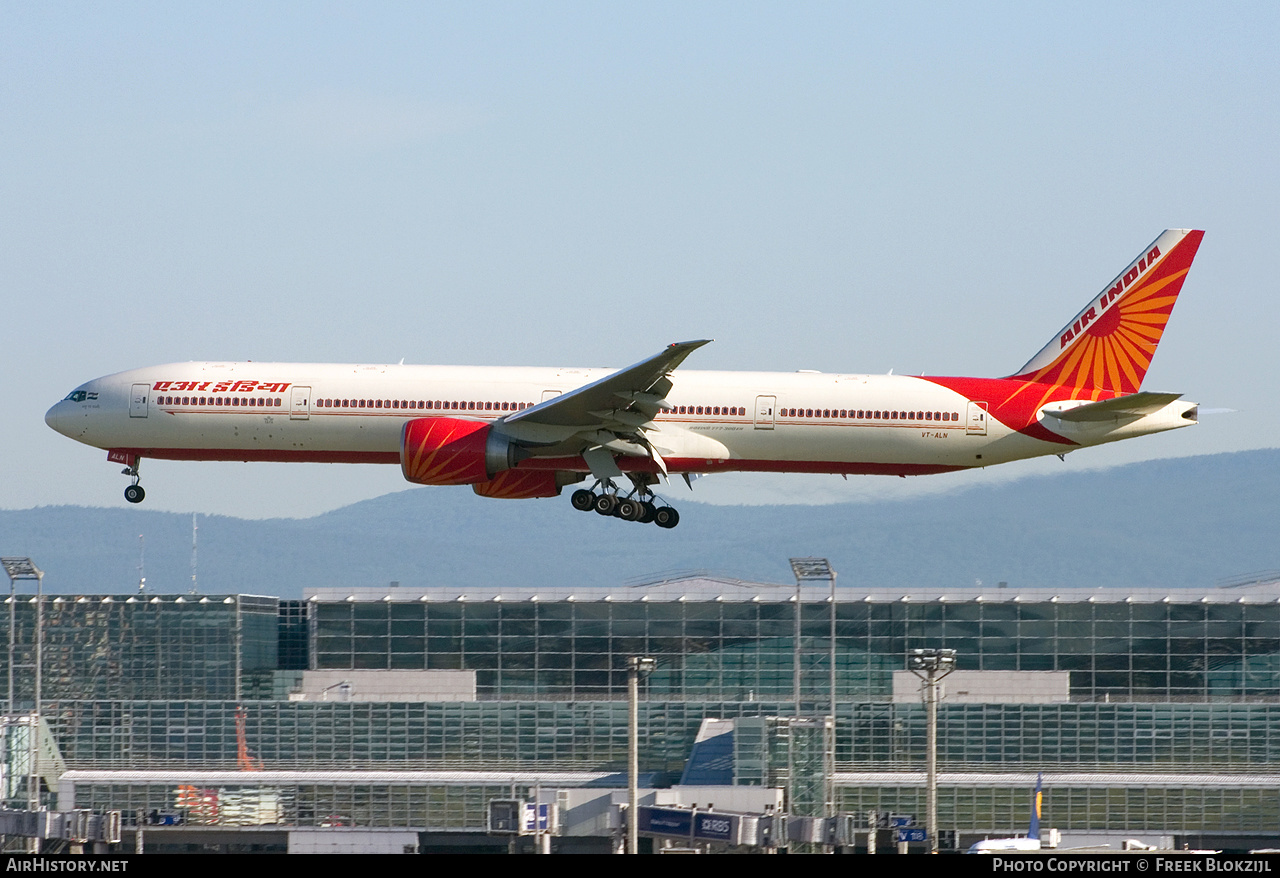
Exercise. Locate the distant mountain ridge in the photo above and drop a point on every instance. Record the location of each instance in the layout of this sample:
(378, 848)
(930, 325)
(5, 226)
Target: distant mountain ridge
(1186, 522)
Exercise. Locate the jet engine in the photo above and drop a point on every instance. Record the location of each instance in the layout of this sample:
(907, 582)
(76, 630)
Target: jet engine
(453, 451)
(524, 484)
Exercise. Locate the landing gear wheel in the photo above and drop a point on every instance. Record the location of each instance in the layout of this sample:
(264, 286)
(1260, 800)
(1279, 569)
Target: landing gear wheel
(666, 517)
(629, 510)
(583, 500)
(648, 511)
(134, 493)
(605, 504)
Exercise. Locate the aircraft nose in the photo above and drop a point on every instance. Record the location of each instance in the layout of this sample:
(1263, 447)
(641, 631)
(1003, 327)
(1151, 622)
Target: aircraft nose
(52, 416)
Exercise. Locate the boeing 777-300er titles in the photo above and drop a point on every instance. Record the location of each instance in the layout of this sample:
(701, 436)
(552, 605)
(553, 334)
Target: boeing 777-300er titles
(527, 432)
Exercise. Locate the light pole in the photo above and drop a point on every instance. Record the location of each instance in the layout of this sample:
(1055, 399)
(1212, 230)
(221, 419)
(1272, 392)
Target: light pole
(25, 568)
(636, 666)
(931, 665)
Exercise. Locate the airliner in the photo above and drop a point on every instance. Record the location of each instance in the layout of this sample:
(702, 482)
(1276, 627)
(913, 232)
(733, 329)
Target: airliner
(521, 433)
(1029, 842)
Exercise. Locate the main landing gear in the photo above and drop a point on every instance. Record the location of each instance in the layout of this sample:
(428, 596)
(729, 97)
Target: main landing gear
(133, 493)
(635, 506)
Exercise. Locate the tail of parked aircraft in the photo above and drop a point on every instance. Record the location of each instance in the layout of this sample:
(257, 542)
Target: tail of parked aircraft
(1108, 346)
(1037, 800)
(1029, 842)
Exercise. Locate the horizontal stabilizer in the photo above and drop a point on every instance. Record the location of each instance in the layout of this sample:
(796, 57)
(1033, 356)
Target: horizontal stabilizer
(1134, 405)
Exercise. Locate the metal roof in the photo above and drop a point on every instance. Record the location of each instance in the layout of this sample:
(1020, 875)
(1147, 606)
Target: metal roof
(711, 589)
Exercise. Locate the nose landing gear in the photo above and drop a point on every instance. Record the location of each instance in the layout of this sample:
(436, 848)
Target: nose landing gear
(133, 493)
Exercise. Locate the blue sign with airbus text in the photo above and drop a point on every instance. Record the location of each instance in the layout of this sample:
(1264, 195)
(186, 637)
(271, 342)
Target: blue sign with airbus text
(665, 821)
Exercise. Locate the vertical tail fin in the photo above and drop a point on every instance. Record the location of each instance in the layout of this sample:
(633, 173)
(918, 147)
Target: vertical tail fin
(1108, 346)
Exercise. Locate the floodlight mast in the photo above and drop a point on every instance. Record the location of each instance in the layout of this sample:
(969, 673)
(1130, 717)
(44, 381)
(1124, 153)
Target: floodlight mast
(931, 665)
(636, 665)
(25, 568)
(814, 570)
(818, 570)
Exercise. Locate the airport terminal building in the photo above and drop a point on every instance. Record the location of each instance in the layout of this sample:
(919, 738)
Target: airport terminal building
(1149, 713)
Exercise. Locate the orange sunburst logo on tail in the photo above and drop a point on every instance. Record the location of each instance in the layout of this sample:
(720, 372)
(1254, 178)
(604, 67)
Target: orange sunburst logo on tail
(1108, 347)
(1103, 352)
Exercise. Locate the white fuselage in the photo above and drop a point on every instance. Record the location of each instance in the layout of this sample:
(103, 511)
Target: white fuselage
(759, 421)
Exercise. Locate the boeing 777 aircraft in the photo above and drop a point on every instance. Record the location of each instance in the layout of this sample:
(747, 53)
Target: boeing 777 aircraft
(527, 432)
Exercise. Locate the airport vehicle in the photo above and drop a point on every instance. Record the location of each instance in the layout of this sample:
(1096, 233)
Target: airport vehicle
(523, 433)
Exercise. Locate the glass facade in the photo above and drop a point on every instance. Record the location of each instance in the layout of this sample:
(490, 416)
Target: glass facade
(1160, 809)
(1112, 740)
(990, 810)
(149, 646)
(734, 641)
(1177, 684)
(439, 807)
(293, 735)
(591, 735)
(293, 652)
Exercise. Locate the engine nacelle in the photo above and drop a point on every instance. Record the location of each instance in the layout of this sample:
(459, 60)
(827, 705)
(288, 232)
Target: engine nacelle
(454, 451)
(524, 484)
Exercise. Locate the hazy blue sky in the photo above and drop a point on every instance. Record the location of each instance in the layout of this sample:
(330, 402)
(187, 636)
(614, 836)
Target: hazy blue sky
(836, 186)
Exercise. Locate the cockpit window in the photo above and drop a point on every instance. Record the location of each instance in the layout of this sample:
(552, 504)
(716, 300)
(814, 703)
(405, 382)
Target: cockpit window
(76, 396)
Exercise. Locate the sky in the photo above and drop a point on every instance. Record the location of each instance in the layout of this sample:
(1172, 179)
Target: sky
(848, 187)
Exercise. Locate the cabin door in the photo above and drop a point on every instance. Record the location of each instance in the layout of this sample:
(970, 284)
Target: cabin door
(138, 400)
(300, 404)
(977, 423)
(766, 407)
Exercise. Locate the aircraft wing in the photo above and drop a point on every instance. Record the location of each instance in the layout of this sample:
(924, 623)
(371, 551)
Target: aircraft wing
(611, 416)
(615, 400)
(1135, 405)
